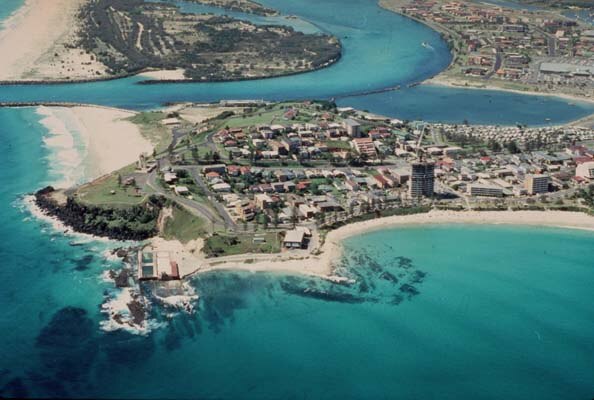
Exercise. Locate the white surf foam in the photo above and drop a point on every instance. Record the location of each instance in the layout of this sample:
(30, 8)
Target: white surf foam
(66, 145)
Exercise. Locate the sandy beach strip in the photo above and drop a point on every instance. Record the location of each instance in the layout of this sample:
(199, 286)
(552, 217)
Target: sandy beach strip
(441, 80)
(109, 141)
(332, 247)
(323, 265)
(31, 32)
(165, 75)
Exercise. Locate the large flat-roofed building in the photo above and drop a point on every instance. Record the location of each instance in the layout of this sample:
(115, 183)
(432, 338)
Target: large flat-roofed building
(482, 190)
(296, 239)
(585, 170)
(566, 69)
(352, 127)
(422, 179)
(537, 184)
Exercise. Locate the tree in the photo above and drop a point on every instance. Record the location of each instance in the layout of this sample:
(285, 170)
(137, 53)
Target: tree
(294, 216)
(195, 154)
(494, 146)
(512, 147)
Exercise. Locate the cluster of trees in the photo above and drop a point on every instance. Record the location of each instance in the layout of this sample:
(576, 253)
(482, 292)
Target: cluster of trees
(111, 30)
(588, 195)
(265, 45)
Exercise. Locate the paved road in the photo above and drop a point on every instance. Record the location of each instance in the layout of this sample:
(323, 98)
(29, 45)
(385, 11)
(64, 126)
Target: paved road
(195, 173)
(497, 65)
(195, 207)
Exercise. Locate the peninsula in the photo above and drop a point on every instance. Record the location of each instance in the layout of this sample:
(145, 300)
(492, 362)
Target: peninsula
(276, 186)
(99, 39)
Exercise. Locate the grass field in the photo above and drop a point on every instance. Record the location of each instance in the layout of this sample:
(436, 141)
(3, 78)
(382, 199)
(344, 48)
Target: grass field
(108, 191)
(265, 117)
(220, 245)
(184, 226)
(338, 144)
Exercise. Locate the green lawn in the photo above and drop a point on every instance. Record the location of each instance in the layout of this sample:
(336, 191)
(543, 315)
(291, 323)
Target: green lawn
(107, 191)
(338, 144)
(265, 117)
(184, 226)
(226, 245)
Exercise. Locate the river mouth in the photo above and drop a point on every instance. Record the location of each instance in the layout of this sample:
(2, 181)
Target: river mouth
(381, 50)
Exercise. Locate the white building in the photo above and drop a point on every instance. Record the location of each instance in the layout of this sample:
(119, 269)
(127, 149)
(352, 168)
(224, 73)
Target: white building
(585, 170)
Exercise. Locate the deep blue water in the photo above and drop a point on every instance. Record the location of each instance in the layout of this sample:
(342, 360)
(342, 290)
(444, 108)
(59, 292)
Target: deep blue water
(381, 50)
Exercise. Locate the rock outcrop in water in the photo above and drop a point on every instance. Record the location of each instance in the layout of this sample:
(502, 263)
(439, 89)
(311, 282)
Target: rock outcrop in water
(137, 222)
(369, 281)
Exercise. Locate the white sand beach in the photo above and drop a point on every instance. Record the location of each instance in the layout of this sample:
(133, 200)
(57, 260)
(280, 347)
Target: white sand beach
(323, 265)
(332, 247)
(109, 141)
(441, 80)
(34, 43)
(165, 74)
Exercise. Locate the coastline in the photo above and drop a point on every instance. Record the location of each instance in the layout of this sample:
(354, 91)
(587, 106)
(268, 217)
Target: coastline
(331, 251)
(441, 78)
(106, 141)
(35, 34)
(48, 56)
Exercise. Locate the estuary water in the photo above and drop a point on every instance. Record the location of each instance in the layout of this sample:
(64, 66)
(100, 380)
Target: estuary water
(436, 311)
(382, 50)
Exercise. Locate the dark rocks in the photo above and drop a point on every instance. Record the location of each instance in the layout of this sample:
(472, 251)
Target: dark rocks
(137, 222)
(122, 279)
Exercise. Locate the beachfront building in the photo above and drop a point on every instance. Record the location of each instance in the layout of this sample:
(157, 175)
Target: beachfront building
(294, 239)
(537, 184)
(585, 170)
(422, 180)
(483, 190)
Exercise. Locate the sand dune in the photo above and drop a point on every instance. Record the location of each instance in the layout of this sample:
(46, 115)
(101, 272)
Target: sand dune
(33, 43)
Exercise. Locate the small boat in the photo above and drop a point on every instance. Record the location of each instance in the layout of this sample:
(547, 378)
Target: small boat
(425, 44)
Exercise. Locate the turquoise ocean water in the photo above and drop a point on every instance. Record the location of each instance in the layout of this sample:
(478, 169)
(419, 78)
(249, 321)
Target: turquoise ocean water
(436, 312)
(7, 8)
